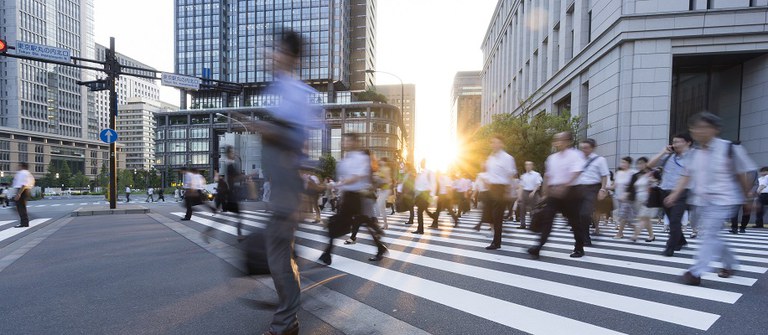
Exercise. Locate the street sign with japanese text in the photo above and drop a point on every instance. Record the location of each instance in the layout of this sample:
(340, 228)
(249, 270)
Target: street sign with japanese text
(42, 51)
(180, 81)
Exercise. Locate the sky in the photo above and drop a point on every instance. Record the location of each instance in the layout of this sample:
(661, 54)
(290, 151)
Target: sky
(424, 42)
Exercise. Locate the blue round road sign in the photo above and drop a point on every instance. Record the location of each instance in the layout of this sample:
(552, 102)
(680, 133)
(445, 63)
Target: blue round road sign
(108, 135)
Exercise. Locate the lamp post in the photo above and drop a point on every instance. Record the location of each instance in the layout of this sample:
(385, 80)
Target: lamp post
(402, 89)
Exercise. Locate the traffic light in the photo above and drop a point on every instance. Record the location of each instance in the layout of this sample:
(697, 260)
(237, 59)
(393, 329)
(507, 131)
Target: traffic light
(3, 47)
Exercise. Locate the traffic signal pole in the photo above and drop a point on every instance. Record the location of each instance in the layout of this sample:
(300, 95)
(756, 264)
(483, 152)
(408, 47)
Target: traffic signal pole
(112, 69)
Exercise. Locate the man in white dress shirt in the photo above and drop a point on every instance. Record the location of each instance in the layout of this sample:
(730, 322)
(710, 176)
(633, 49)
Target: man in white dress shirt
(716, 173)
(500, 171)
(424, 189)
(23, 182)
(530, 182)
(592, 183)
(562, 170)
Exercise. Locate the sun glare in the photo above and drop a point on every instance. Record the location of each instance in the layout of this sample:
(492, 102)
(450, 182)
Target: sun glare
(440, 155)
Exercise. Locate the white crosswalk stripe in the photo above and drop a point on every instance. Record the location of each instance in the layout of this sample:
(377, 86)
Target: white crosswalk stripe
(12, 231)
(636, 280)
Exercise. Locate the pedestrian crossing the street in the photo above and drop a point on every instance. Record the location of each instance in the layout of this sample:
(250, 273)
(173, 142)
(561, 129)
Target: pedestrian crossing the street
(618, 284)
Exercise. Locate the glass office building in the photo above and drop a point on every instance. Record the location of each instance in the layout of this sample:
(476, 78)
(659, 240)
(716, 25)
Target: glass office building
(232, 40)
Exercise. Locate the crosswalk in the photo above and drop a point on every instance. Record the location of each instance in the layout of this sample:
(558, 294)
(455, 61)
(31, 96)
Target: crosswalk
(8, 230)
(616, 280)
(77, 204)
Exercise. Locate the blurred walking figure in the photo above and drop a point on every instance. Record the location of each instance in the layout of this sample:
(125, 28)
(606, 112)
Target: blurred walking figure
(267, 190)
(592, 185)
(383, 181)
(127, 194)
(625, 206)
(234, 188)
(150, 194)
(283, 138)
(762, 201)
(445, 200)
(160, 195)
(500, 170)
(4, 197)
(716, 173)
(530, 182)
(194, 183)
(672, 160)
(637, 192)
(23, 182)
(357, 200)
(562, 170)
(424, 190)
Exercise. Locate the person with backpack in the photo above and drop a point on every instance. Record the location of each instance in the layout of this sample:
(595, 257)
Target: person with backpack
(672, 160)
(717, 175)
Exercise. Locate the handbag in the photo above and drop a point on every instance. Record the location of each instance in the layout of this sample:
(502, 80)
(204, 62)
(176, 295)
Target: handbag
(338, 226)
(404, 203)
(655, 198)
(255, 254)
(537, 216)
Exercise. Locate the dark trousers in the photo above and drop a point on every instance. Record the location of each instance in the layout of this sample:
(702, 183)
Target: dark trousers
(351, 210)
(160, 197)
(568, 205)
(422, 202)
(21, 207)
(526, 204)
(745, 217)
(444, 202)
(587, 207)
(762, 201)
(675, 214)
(497, 204)
(127, 197)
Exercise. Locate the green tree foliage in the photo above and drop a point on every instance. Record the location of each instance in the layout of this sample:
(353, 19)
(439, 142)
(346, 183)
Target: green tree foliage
(102, 180)
(80, 180)
(370, 95)
(65, 176)
(124, 178)
(327, 166)
(526, 137)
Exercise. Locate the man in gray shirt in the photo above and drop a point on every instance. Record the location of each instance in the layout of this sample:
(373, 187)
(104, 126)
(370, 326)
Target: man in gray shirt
(716, 173)
(672, 160)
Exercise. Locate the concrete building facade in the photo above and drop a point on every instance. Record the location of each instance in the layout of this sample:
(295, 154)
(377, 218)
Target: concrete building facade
(136, 127)
(394, 95)
(634, 71)
(466, 103)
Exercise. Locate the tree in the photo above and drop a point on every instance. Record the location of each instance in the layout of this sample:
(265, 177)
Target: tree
(102, 180)
(327, 166)
(65, 175)
(80, 180)
(49, 180)
(370, 95)
(526, 137)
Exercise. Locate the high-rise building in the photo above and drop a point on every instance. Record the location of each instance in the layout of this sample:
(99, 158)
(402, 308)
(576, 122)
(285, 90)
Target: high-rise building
(634, 71)
(466, 100)
(406, 96)
(232, 40)
(126, 87)
(44, 114)
(136, 127)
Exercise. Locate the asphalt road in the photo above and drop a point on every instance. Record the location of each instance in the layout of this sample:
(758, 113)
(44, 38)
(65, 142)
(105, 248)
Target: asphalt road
(139, 274)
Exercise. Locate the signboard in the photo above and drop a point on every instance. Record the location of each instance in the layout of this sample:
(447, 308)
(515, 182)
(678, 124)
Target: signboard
(108, 135)
(42, 51)
(180, 81)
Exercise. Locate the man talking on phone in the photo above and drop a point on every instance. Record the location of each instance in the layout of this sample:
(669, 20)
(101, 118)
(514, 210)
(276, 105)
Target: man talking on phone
(672, 160)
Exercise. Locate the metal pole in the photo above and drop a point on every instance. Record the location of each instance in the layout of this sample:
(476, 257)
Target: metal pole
(112, 71)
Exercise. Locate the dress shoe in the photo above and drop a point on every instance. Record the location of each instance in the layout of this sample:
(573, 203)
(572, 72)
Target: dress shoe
(668, 252)
(185, 219)
(477, 227)
(350, 241)
(693, 235)
(21, 226)
(379, 255)
(742, 230)
(434, 226)
(409, 223)
(577, 254)
(418, 232)
(534, 252)
(650, 239)
(325, 258)
(689, 279)
(522, 227)
(493, 247)
(733, 231)
(724, 273)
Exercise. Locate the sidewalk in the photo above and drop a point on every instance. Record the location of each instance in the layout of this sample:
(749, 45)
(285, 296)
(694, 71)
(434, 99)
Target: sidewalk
(129, 274)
